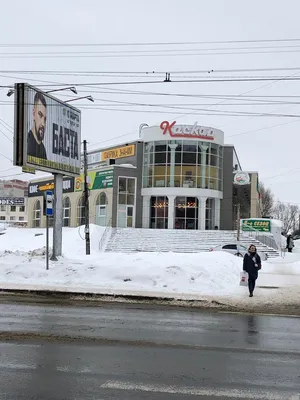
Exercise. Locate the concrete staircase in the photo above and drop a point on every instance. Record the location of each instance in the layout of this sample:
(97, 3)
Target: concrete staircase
(131, 240)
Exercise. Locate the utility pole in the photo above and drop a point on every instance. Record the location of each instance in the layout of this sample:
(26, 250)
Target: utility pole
(86, 201)
(238, 219)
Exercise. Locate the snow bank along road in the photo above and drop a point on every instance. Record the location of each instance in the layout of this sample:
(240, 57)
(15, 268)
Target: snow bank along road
(127, 352)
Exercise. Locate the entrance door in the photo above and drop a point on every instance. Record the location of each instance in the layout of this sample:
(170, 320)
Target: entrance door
(126, 216)
(101, 215)
(130, 221)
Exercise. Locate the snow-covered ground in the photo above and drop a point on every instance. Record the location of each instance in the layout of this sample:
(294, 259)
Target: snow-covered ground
(187, 276)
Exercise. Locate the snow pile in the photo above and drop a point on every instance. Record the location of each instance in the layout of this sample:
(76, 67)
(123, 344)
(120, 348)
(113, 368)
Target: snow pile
(22, 262)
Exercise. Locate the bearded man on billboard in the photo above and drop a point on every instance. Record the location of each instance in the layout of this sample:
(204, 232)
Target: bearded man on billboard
(35, 145)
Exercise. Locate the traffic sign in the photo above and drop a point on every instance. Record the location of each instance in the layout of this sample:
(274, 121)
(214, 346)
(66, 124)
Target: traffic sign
(49, 203)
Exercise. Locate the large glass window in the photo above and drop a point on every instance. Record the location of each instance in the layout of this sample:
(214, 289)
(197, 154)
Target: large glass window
(80, 211)
(186, 213)
(66, 211)
(183, 163)
(37, 214)
(159, 212)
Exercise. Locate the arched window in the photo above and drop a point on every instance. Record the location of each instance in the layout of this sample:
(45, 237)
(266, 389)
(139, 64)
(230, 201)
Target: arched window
(37, 214)
(80, 212)
(101, 209)
(66, 211)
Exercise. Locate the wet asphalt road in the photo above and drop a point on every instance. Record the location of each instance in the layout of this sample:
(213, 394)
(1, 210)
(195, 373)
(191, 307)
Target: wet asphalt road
(126, 352)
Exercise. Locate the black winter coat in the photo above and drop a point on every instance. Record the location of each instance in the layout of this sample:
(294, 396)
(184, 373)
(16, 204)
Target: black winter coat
(249, 265)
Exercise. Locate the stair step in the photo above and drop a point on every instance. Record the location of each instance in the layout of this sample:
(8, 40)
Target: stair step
(130, 240)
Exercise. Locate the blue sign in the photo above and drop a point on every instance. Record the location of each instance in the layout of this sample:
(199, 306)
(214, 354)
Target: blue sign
(49, 203)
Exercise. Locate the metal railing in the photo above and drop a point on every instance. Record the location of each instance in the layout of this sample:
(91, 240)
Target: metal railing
(104, 235)
(265, 238)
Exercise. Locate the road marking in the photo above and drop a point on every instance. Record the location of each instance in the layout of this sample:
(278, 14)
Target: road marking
(192, 391)
(16, 366)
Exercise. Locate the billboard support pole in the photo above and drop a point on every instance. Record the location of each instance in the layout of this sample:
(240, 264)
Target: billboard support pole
(47, 242)
(58, 216)
(238, 220)
(86, 201)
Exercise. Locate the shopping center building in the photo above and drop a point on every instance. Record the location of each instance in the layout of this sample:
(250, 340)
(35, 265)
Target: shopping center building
(173, 177)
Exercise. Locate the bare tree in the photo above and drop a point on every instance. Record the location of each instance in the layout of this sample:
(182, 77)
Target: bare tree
(266, 200)
(288, 214)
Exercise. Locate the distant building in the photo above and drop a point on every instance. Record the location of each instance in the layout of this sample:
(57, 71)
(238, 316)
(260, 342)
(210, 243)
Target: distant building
(13, 202)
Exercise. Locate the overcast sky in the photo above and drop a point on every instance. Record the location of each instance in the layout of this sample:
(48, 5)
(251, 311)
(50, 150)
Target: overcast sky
(267, 144)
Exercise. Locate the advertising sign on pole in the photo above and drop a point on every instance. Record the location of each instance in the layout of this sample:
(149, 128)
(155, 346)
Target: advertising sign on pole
(47, 132)
(256, 225)
(49, 203)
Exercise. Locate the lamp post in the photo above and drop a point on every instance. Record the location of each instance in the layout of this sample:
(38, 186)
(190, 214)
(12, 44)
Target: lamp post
(71, 88)
(90, 98)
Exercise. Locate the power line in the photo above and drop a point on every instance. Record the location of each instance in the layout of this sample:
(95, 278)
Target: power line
(6, 125)
(5, 157)
(143, 51)
(163, 54)
(280, 40)
(194, 111)
(261, 129)
(4, 134)
(149, 73)
(95, 84)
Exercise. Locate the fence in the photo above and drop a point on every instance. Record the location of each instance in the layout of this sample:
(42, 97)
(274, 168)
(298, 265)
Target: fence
(104, 235)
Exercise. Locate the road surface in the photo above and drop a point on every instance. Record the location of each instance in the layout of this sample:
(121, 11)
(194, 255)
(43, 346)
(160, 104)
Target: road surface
(128, 352)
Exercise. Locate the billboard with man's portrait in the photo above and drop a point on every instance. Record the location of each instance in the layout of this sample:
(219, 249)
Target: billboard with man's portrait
(47, 132)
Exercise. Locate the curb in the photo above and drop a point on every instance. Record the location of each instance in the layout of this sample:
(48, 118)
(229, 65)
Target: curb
(91, 299)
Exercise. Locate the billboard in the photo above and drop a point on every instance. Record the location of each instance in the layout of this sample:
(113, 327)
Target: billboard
(12, 201)
(96, 180)
(39, 188)
(47, 132)
(256, 224)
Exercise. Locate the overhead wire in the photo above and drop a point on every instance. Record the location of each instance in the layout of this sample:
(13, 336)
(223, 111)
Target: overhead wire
(278, 40)
(163, 54)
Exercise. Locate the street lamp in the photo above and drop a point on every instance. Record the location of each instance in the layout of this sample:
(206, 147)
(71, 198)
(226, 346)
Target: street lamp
(10, 92)
(72, 88)
(90, 98)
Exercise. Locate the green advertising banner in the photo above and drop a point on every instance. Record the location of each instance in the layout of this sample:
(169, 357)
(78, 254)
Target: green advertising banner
(96, 180)
(257, 224)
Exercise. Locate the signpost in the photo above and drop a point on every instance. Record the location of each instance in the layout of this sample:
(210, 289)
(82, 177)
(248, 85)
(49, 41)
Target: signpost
(49, 213)
(240, 178)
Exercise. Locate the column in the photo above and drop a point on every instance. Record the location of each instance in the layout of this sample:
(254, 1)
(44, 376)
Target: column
(217, 212)
(171, 209)
(58, 216)
(203, 148)
(172, 163)
(201, 212)
(146, 212)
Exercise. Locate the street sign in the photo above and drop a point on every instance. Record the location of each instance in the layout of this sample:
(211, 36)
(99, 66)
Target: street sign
(49, 203)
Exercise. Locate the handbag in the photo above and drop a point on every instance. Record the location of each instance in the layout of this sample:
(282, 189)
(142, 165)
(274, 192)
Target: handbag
(244, 278)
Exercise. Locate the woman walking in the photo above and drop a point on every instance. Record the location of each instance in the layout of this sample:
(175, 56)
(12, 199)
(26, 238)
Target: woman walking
(289, 243)
(252, 264)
